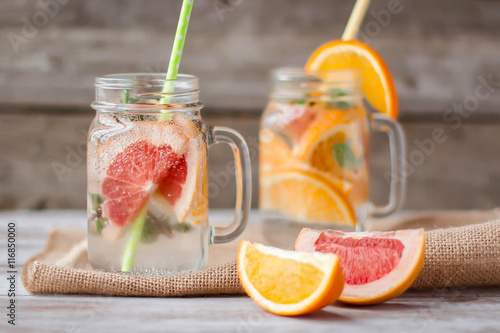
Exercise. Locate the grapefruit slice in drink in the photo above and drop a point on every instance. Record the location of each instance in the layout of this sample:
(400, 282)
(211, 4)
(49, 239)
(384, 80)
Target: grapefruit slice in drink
(192, 205)
(377, 266)
(145, 169)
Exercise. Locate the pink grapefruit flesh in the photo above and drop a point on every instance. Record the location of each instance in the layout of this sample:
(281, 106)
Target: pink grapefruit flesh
(383, 253)
(171, 185)
(134, 174)
(299, 124)
(377, 266)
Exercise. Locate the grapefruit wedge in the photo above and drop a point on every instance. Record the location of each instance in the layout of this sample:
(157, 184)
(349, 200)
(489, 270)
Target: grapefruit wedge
(377, 266)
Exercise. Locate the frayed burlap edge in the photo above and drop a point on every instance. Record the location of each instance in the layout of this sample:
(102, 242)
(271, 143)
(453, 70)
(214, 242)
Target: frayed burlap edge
(50, 279)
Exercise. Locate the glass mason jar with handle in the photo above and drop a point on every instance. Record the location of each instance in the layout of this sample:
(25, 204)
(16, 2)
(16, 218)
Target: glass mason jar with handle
(314, 155)
(147, 176)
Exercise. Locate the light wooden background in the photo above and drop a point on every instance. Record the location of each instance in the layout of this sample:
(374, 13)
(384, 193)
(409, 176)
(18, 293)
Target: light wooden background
(439, 52)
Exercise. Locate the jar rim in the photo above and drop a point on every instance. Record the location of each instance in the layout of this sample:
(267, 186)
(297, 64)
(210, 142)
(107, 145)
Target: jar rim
(292, 83)
(131, 80)
(334, 76)
(146, 92)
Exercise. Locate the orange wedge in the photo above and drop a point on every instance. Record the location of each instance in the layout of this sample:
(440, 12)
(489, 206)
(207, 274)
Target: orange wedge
(289, 283)
(378, 85)
(305, 196)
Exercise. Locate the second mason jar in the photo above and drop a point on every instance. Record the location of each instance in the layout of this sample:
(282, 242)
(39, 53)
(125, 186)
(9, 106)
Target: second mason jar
(314, 155)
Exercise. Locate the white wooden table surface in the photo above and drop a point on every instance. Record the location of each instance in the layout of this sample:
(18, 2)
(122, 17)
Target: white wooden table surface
(449, 310)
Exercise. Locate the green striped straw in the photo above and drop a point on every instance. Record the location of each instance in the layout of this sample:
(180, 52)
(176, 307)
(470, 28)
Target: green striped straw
(134, 240)
(173, 69)
(175, 57)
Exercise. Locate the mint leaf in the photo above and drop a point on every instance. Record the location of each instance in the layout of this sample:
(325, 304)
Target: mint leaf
(126, 99)
(100, 223)
(96, 201)
(342, 105)
(300, 102)
(344, 156)
(183, 227)
(335, 93)
(149, 232)
(125, 96)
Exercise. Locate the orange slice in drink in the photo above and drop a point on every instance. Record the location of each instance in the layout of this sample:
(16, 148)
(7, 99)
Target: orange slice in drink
(333, 146)
(275, 154)
(199, 205)
(198, 152)
(305, 196)
(289, 283)
(378, 85)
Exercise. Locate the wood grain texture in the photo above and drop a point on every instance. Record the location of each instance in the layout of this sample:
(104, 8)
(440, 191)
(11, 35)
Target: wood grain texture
(448, 310)
(459, 172)
(436, 50)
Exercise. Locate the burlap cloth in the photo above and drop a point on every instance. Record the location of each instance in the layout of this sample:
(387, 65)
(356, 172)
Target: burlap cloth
(464, 251)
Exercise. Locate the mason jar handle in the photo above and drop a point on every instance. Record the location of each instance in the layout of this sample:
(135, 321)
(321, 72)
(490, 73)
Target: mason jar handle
(397, 175)
(243, 176)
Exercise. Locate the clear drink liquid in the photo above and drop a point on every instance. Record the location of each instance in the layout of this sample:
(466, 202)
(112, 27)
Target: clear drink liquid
(141, 161)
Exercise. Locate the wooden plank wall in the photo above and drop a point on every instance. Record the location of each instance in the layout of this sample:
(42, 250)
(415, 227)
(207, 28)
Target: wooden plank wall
(42, 162)
(443, 54)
